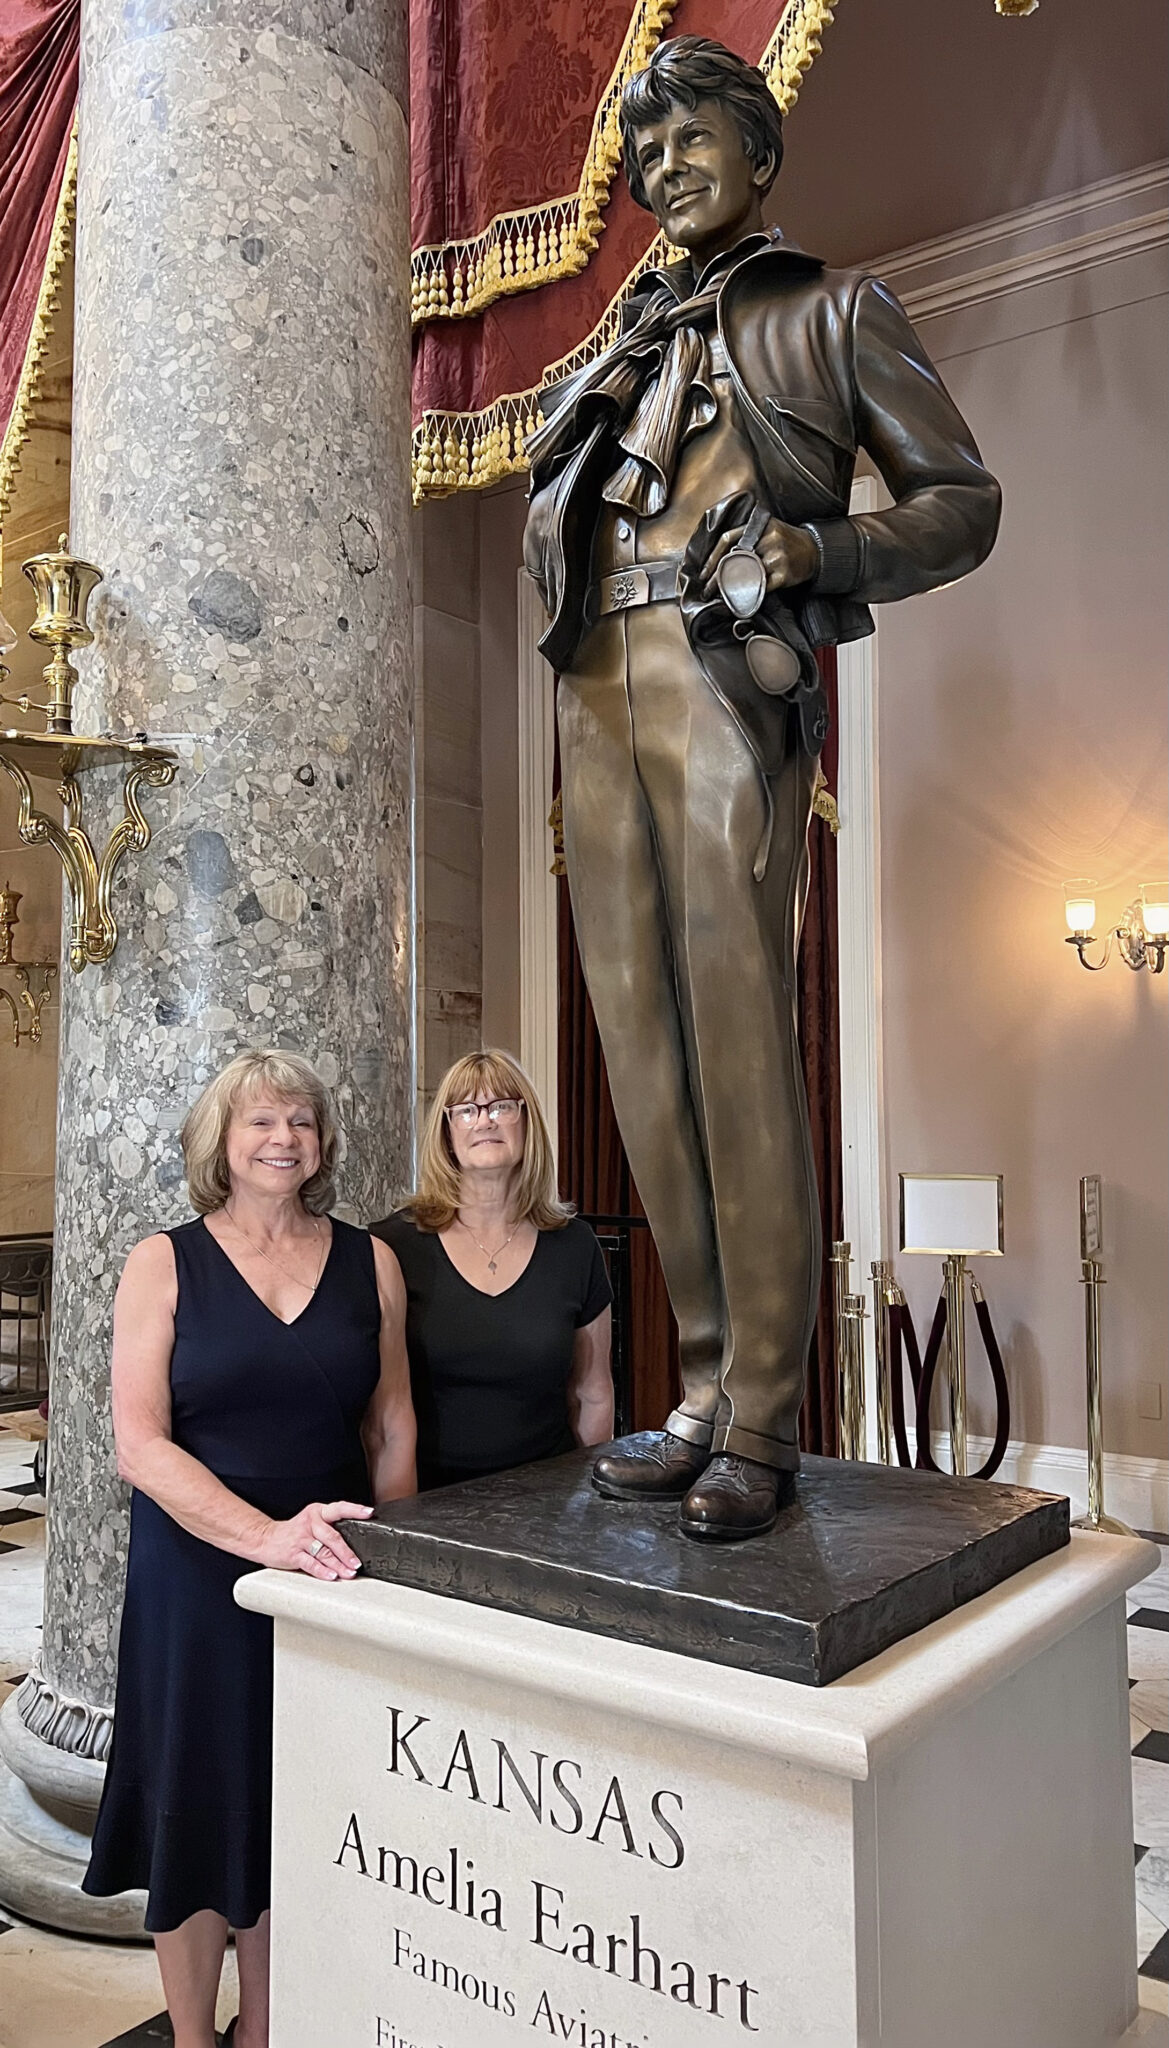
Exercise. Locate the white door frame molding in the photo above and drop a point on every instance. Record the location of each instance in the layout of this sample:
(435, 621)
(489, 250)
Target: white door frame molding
(538, 961)
(858, 898)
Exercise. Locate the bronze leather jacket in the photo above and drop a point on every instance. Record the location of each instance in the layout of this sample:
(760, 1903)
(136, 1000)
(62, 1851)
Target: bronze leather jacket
(824, 363)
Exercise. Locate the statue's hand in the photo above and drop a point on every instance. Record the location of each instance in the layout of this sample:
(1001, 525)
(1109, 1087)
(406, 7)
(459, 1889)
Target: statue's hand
(788, 554)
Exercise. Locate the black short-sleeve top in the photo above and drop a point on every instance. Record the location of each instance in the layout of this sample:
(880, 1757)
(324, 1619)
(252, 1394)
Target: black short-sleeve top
(489, 1373)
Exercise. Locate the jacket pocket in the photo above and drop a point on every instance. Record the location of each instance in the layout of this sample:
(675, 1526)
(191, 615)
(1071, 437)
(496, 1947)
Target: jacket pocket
(817, 439)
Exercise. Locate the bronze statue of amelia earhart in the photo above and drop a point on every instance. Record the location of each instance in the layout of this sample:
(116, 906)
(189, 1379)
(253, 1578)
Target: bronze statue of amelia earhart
(690, 534)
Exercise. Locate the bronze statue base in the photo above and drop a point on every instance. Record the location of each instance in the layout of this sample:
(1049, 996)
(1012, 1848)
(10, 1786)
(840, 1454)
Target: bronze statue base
(861, 1557)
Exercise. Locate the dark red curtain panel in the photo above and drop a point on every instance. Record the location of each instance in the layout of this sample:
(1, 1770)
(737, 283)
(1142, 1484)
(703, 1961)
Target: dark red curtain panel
(594, 1172)
(38, 99)
(818, 1017)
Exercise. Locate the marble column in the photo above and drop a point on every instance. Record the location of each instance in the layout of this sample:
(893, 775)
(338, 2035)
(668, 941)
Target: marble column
(241, 472)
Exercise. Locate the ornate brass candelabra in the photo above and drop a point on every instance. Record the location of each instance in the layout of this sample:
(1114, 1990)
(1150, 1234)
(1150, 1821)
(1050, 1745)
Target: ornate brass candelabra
(27, 1002)
(63, 585)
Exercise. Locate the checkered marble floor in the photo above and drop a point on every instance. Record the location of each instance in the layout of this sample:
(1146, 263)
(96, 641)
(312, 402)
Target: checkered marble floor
(57, 1992)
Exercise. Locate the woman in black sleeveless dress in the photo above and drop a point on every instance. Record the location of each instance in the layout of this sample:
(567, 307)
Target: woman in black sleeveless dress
(508, 1301)
(254, 1349)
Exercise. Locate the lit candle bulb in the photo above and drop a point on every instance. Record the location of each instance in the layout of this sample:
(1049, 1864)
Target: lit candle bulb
(1155, 909)
(1079, 907)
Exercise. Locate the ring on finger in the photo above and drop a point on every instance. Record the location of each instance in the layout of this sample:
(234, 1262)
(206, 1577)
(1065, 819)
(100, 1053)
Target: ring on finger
(316, 1546)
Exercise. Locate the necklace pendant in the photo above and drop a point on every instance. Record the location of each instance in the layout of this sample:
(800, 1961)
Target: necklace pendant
(491, 1266)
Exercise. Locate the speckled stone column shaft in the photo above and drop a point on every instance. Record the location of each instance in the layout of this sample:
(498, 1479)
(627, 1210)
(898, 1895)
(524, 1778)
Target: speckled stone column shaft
(240, 471)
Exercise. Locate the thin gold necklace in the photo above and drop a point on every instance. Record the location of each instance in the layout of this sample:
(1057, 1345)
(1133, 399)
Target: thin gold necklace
(271, 1256)
(490, 1257)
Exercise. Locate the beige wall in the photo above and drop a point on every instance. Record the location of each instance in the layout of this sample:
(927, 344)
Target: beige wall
(467, 553)
(923, 116)
(1022, 741)
(500, 553)
(448, 819)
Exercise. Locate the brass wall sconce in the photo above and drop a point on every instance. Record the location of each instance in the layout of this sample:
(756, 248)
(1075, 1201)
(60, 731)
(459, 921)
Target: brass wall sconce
(27, 1000)
(1141, 936)
(64, 585)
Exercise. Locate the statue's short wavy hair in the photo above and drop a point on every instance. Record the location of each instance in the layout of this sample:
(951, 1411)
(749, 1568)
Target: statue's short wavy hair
(287, 1077)
(435, 1201)
(686, 69)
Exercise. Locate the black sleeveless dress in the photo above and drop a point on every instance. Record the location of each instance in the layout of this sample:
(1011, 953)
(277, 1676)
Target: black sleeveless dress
(274, 1410)
(489, 1372)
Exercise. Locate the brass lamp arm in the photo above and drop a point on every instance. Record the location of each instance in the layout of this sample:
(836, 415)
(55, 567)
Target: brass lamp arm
(93, 932)
(5, 997)
(33, 1004)
(1136, 948)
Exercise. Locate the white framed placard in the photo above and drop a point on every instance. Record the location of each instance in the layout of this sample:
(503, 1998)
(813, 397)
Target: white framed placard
(1091, 1223)
(946, 1214)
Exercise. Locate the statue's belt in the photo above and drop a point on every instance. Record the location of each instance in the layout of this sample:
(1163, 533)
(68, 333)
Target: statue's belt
(741, 578)
(624, 589)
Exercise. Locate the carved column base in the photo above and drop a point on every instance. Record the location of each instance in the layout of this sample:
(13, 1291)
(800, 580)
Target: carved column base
(52, 1763)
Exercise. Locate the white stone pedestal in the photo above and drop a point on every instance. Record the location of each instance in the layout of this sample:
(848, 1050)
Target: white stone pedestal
(490, 1831)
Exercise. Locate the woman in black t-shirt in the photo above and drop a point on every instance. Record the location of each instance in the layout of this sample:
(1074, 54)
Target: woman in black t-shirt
(508, 1301)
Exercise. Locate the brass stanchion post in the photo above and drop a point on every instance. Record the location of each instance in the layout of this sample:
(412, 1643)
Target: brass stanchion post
(882, 1298)
(1093, 1280)
(852, 1379)
(954, 1283)
(841, 1262)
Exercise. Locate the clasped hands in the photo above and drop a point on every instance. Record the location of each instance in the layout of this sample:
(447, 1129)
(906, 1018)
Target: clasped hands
(788, 553)
(309, 1543)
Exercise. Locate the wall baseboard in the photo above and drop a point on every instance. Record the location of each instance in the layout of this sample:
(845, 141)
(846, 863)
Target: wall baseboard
(1136, 1490)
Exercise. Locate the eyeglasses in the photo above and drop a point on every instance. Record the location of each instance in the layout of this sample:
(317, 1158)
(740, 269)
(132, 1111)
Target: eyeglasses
(465, 1115)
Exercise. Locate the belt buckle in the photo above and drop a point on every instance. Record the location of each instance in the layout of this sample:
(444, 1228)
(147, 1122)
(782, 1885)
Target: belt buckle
(625, 588)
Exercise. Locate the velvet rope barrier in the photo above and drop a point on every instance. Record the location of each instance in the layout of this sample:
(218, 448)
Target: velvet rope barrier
(922, 1372)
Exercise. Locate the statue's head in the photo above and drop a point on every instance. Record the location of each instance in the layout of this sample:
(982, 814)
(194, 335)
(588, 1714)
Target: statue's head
(703, 141)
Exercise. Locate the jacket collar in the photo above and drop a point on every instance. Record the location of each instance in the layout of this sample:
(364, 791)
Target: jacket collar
(679, 277)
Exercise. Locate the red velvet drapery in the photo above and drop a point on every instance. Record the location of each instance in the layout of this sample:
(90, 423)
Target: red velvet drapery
(38, 98)
(594, 1172)
(502, 102)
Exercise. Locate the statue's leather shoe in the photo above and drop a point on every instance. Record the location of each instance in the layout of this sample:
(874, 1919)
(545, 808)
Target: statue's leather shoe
(734, 1498)
(660, 1469)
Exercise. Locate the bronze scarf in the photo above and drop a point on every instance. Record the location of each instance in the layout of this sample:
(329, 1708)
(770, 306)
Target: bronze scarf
(655, 381)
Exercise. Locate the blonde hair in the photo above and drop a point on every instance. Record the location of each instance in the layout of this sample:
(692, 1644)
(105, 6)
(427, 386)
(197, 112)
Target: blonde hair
(203, 1137)
(434, 1203)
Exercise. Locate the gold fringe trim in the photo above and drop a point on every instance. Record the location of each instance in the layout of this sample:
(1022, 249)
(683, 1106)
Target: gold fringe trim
(468, 451)
(794, 48)
(824, 804)
(537, 244)
(28, 390)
